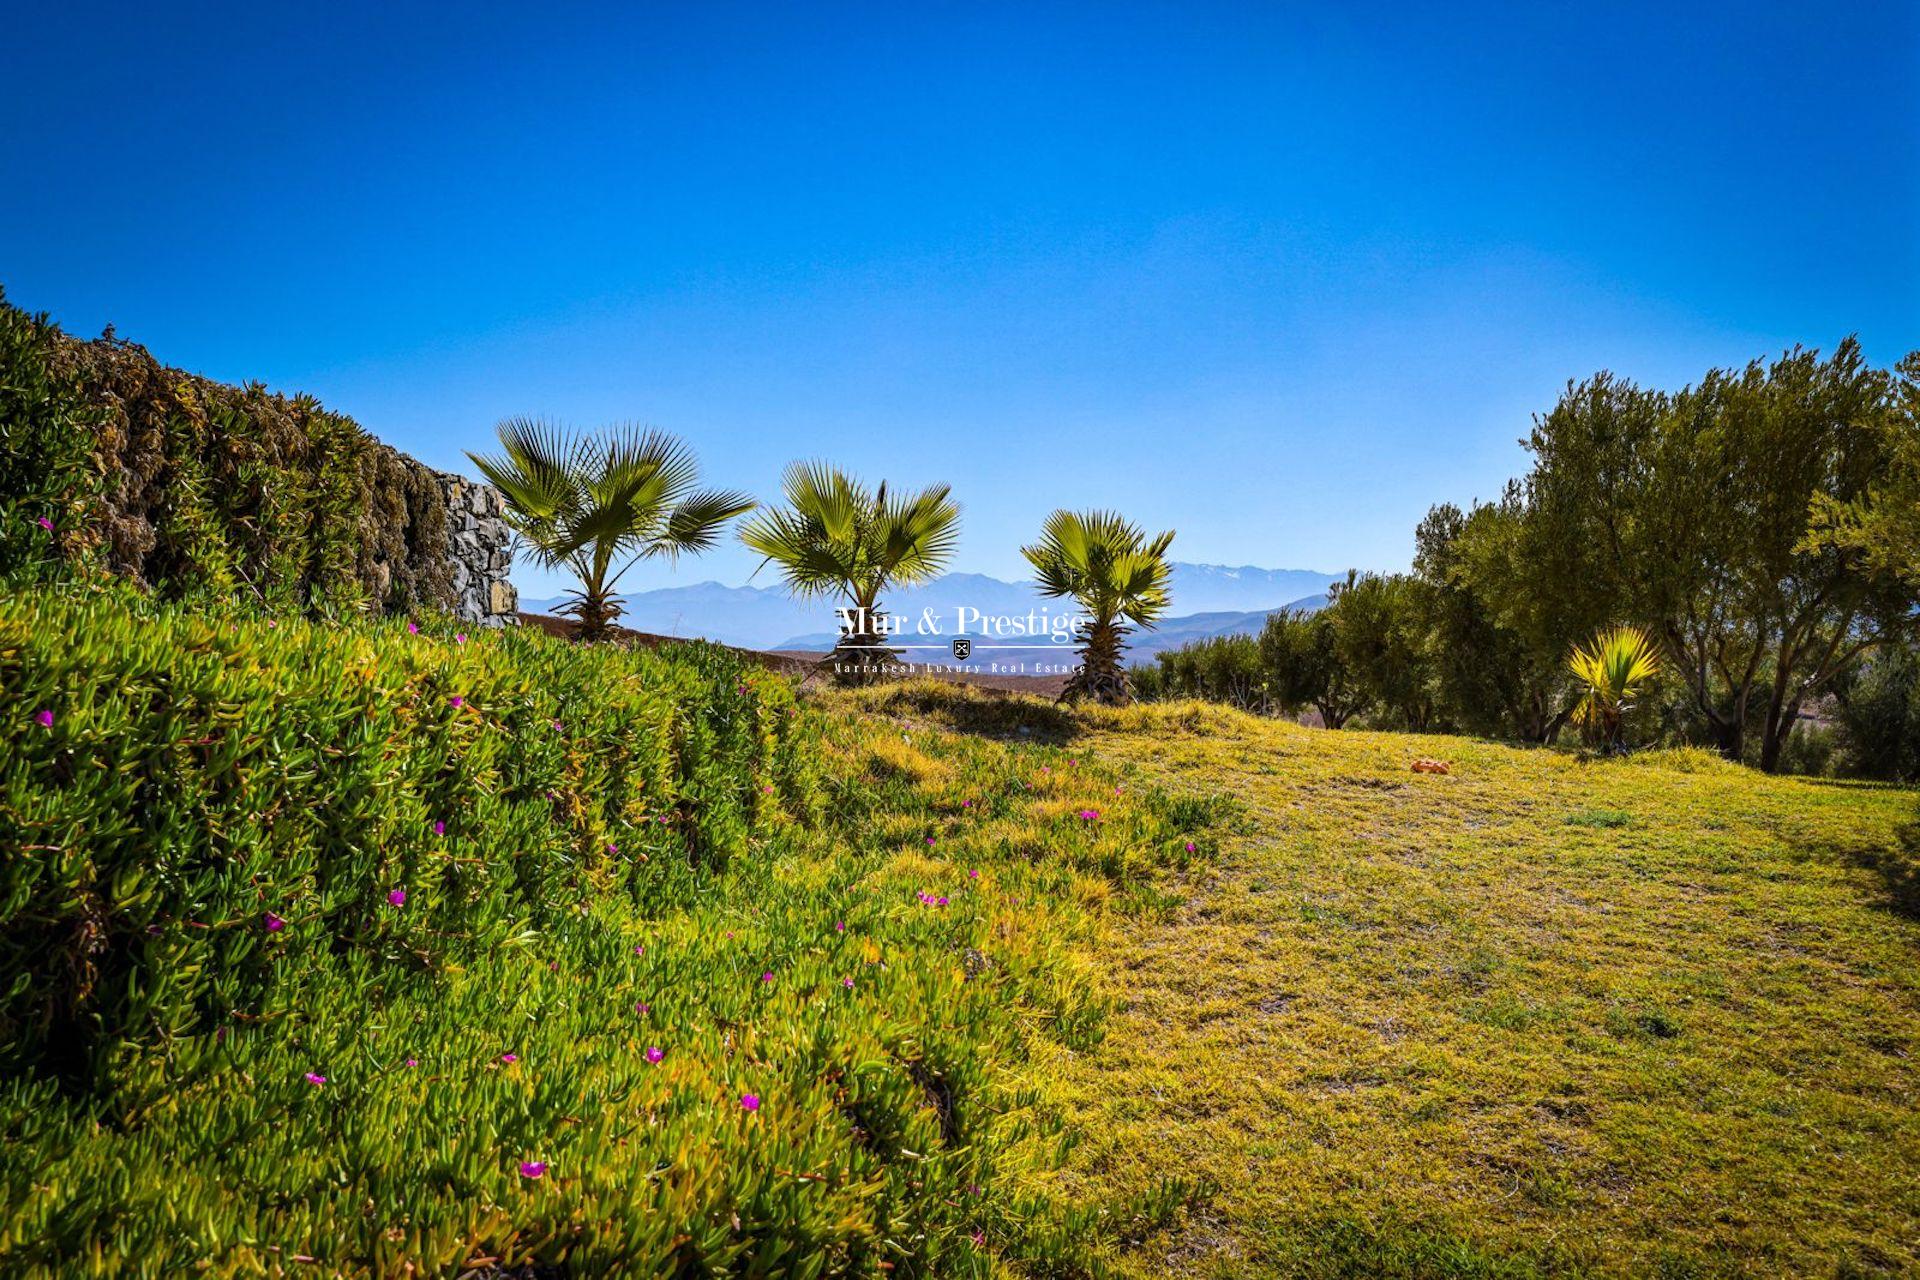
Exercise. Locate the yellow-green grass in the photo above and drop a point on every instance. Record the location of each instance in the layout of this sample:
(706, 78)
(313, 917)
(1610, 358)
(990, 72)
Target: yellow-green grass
(1537, 1015)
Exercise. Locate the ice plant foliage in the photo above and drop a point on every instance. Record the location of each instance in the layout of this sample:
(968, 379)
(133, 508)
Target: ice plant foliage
(585, 1088)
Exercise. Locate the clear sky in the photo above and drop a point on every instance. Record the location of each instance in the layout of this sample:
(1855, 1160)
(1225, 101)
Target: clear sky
(1278, 276)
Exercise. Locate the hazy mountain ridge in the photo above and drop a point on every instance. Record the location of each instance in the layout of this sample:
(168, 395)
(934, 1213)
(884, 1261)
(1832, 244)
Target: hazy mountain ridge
(1207, 600)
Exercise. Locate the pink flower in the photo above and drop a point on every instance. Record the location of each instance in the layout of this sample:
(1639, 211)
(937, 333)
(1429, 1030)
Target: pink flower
(533, 1168)
(847, 983)
(767, 976)
(612, 847)
(315, 1080)
(413, 1062)
(274, 923)
(641, 1006)
(1189, 846)
(413, 628)
(655, 1053)
(966, 804)
(398, 897)
(929, 839)
(45, 718)
(558, 727)
(461, 638)
(456, 701)
(943, 900)
(439, 828)
(639, 950)
(1089, 814)
(509, 1057)
(979, 1239)
(749, 1102)
(45, 523)
(839, 926)
(974, 874)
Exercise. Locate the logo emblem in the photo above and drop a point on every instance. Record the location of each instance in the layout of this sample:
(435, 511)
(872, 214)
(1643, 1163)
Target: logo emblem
(962, 648)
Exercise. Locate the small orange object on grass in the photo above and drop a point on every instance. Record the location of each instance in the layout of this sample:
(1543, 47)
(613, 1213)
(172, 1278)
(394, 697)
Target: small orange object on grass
(1424, 765)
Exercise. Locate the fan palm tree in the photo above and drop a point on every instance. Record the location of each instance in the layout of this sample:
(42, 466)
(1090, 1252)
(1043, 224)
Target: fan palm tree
(1610, 670)
(835, 537)
(599, 504)
(1117, 574)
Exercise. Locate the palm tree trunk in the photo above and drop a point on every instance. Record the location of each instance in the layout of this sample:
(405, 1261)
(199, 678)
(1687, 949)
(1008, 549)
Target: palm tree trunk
(1100, 676)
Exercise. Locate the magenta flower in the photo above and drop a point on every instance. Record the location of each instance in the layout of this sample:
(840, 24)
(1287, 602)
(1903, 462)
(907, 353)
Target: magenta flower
(456, 701)
(929, 839)
(641, 1006)
(979, 1239)
(533, 1168)
(847, 983)
(509, 1057)
(767, 976)
(398, 897)
(1189, 846)
(1089, 814)
(612, 847)
(558, 727)
(439, 828)
(274, 923)
(45, 718)
(974, 874)
(45, 523)
(461, 638)
(943, 900)
(655, 1053)
(413, 1062)
(413, 628)
(639, 950)
(839, 926)
(749, 1102)
(315, 1080)
(966, 804)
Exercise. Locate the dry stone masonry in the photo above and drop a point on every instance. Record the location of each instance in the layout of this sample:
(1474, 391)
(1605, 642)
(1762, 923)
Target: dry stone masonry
(479, 545)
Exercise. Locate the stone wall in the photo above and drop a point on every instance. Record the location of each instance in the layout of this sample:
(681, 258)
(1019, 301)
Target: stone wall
(479, 544)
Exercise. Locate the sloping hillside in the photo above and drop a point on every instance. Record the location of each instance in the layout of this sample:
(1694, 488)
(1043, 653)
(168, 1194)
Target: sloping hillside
(1537, 1015)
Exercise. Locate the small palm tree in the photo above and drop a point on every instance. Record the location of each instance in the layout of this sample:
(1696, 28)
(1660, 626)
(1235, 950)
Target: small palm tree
(1117, 574)
(1611, 670)
(599, 504)
(835, 537)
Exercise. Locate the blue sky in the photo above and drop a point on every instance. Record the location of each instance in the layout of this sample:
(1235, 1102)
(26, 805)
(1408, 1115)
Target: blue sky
(1277, 276)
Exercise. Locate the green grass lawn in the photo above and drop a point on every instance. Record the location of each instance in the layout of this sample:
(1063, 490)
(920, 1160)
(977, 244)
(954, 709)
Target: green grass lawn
(1539, 1015)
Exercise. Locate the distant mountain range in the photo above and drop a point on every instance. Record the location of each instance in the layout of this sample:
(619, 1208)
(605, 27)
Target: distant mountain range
(1208, 600)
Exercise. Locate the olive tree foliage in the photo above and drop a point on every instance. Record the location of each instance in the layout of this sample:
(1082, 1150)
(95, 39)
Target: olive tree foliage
(1299, 655)
(1750, 523)
(1498, 659)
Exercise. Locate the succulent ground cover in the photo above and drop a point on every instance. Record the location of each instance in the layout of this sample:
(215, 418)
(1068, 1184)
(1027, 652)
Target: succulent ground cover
(381, 950)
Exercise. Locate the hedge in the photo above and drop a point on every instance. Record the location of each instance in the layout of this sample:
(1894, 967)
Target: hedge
(192, 805)
(113, 462)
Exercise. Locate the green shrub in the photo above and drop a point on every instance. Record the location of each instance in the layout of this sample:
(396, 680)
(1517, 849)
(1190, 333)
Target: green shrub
(202, 780)
(47, 480)
(204, 772)
(204, 491)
